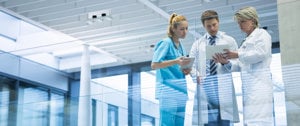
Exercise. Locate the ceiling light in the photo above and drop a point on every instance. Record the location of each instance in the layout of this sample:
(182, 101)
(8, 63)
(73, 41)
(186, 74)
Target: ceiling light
(99, 16)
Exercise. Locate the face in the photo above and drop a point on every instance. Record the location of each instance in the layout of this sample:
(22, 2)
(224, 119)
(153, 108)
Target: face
(246, 26)
(211, 26)
(181, 29)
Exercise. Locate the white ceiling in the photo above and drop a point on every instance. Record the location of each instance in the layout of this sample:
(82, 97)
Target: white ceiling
(132, 27)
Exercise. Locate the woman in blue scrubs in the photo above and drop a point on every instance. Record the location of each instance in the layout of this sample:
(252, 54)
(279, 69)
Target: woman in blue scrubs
(169, 56)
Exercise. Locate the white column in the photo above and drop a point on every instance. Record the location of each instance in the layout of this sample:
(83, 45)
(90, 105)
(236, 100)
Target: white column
(84, 106)
(288, 19)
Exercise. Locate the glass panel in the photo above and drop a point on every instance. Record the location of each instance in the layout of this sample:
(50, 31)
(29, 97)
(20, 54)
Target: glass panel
(35, 106)
(110, 100)
(6, 94)
(148, 86)
(148, 96)
(4, 104)
(57, 109)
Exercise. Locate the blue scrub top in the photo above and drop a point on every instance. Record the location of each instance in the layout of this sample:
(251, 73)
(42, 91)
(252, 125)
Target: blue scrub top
(165, 50)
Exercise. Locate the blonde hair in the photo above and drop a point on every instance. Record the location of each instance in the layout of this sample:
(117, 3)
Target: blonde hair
(247, 13)
(174, 21)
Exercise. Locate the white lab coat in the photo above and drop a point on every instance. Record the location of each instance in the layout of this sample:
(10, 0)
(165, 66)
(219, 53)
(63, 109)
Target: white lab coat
(227, 98)
(254, 63)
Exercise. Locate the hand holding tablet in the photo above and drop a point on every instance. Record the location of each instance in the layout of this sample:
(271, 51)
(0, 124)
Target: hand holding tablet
(190, 64)
(212, 50)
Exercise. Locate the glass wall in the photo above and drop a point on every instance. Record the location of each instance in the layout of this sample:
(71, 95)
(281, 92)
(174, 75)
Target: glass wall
(22, 103)
(57, 108)
(34, 105)
(111, 96)
(7, 100)
(148, 86)
(25, 104)
(150, 116)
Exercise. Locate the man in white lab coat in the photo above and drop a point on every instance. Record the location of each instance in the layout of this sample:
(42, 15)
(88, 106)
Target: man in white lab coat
(215, 78)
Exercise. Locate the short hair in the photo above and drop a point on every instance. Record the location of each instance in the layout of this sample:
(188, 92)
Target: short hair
(247, 13)
(174, 21)
(209, 14)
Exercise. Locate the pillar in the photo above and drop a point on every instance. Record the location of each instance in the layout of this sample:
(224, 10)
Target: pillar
(84, 105)
(289, 29)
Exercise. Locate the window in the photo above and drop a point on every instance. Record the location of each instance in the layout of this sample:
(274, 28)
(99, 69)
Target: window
(7, 96)
(147, 120)
(112, 115)
(22, 103)
(57, 103)
(35, 106)
(94, 112)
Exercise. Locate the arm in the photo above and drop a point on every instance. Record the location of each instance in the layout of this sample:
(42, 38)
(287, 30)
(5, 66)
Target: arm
(180, 61)
(227, 64)
(159, 60)
(254, 51)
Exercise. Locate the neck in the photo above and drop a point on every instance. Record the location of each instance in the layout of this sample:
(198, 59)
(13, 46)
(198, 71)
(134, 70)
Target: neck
(175, 40)
(250, 32)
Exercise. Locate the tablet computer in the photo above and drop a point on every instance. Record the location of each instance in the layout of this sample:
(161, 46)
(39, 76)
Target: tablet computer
(190, 64)
(212, 50)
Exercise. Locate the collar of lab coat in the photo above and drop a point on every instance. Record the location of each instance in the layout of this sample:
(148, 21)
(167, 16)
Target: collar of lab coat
(253, 33)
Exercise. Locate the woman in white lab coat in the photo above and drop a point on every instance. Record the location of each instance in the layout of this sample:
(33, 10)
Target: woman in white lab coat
(254, 56)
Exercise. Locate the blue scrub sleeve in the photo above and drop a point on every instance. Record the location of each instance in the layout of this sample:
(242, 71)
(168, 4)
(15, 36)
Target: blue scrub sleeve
(160, 51)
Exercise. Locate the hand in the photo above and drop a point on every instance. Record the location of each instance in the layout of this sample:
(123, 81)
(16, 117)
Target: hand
(182, 61)
(186, 71)
(220, 58)
(231, 54)
(199, 80)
